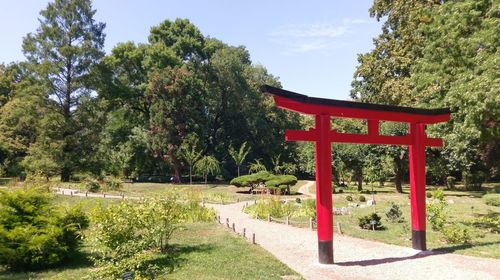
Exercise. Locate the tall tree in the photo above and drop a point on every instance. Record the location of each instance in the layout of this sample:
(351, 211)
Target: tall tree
(61, 53)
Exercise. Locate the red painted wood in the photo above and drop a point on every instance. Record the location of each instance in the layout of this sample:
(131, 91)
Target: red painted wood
(417, 177)
(324, 180)
(343, 112)
(333, 136)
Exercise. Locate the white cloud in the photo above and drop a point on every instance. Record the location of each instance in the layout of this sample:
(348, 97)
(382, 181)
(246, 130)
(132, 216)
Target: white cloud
(312, 37)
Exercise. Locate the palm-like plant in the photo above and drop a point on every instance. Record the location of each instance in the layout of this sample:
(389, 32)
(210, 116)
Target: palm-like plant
(207, 165)
(239, 156)
(256, 167)
(191, 156)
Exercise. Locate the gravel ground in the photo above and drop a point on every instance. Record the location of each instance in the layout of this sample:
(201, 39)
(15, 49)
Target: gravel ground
(355, 258)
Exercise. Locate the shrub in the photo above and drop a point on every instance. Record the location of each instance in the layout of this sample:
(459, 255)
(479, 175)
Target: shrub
(371, 221)
(341, 190)
(436, 210)
(362, 198)
(428, 194)
(348, 198)
(473, 180)
(455, 234)
(274, 207)
(394, 213)
(450, 182)
(492, 199)
(36, 233)
(92, 186)
(298, 200)
(114, 184)
(490, 221)
(308, 208)
(133, 235)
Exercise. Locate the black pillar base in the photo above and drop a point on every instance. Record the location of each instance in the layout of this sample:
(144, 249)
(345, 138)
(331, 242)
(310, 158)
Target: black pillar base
(418, 240)
(325, 250)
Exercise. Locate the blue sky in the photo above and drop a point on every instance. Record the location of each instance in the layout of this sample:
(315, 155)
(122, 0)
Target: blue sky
(311, 45)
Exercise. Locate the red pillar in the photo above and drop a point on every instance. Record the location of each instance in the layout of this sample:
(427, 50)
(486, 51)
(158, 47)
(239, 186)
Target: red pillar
(324, 190)
(417, 185)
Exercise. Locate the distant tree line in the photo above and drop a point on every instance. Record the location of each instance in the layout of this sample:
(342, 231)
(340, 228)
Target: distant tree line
(185, 103)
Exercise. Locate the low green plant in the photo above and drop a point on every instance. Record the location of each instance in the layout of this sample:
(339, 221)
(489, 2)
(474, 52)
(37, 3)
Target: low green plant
(394, 213)
(35, 232)
(308, 208)
(348, 198)
(113, 184)
(492, 199)
(92, 186)
(362, 198)
(371, 221)
(436, 210)
(456, 234)
(490, 222)
(273, 206)
(132, 235)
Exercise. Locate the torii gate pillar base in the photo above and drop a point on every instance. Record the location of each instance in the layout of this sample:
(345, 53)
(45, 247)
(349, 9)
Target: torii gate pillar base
(325, 250)
(418, 240)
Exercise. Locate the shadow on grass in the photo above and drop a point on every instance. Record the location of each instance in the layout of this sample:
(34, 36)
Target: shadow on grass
(453, 248)
(177, 254)
(389, 260)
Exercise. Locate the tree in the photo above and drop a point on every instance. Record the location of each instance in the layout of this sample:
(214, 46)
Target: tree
(61, 54)
(239, 156)
(190, 154)
(176, 111)
(208, 165)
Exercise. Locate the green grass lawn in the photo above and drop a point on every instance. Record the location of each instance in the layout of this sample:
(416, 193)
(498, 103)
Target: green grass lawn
(463, 207)
(201, 250)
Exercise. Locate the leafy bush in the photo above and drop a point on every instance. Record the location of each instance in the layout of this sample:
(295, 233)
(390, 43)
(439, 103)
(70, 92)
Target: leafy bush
(450, 182)
(274, 207)
(133, 235)
(473, 180)
(362, 198)
(394, 213)
(436, 210)
(34, 232)
(371, 221)
(455, 234)
(428, 194)
(283, 182)
(348, 198)
(308, 208)
(92, 186)
(113, 184)
(492, 199)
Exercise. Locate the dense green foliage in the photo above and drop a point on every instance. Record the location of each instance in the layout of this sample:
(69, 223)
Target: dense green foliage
(34, 232)
(157, 108)
(278, 184)
(371, 222)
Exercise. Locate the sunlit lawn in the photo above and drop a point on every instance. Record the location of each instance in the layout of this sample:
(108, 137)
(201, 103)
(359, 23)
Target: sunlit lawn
(463, 207)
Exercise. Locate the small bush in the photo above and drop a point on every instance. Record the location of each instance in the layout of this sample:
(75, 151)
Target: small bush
(298, 200)
(114, 184)
(362, 198)
(428, 194)
(92, 186)
(455, 234)
(341, 191)
(308, 208)
(371, 221)
(348, 198)
(436, 210)
(394, 213)
(492, 199)
(450, 182)
(490, 221)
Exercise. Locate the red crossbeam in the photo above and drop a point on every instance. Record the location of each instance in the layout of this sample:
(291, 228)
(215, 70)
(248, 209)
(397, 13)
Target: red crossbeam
(344, 112)
(333, 136)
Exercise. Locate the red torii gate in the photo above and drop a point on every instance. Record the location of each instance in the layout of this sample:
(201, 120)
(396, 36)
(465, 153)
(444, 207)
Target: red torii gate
(323, 136)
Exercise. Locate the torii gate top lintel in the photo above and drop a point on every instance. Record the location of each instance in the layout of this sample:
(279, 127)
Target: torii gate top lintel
(304, 104)
(322, 135)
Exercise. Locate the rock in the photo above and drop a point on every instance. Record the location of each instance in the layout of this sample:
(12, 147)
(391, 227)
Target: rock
(450, 201)
(371, 202)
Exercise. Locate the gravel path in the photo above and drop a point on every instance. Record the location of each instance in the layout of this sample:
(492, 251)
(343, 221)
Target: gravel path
(355, 258)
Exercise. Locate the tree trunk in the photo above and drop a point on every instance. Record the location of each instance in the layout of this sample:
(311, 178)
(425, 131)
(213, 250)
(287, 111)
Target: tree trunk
(359, 178)
(206, 178)
(238, 171)
(398, 174)
(65, 174)
(190, 176)
(177, 173)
